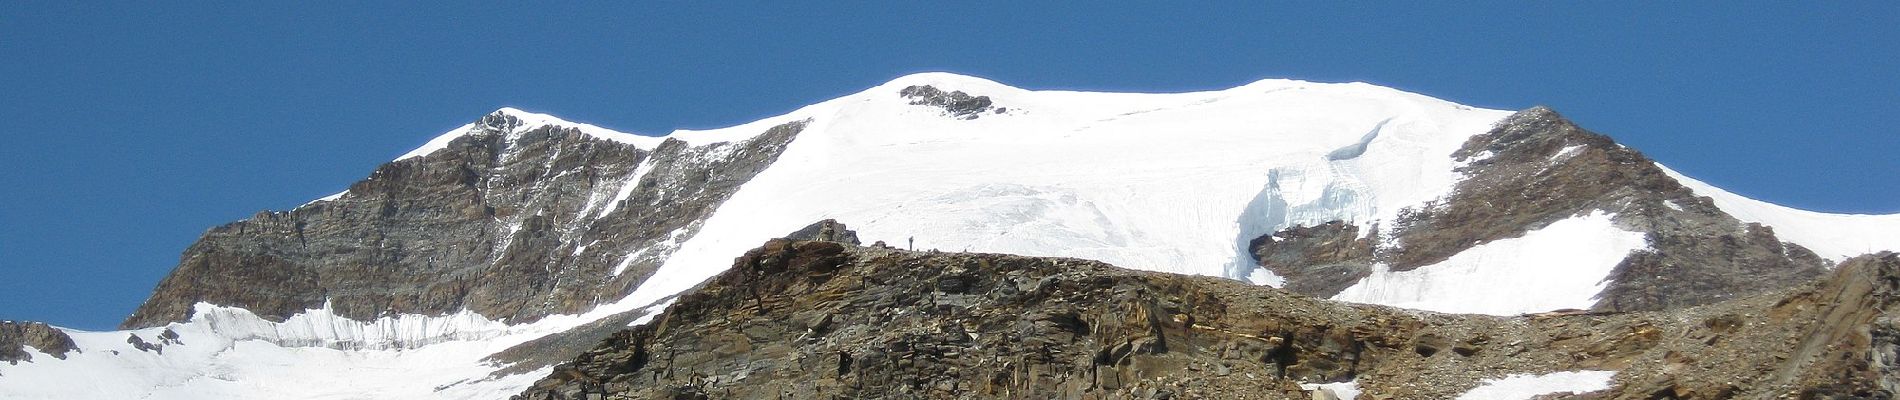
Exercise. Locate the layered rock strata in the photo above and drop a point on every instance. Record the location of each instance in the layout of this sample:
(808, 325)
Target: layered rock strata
(809, 319)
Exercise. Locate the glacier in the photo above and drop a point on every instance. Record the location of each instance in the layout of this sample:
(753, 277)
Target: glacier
(1175, 182)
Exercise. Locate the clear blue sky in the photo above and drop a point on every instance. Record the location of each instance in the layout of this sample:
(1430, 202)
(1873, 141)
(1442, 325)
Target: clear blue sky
(132, 129)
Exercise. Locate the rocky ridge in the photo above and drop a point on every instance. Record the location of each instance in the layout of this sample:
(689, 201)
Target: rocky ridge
(954, 103)
(511, 221)
(816, 319)
(16, 336)
(1535, 168)
(560, 347)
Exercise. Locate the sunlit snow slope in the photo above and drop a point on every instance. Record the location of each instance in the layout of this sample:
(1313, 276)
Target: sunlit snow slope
(1166, 182)
(1832, 236)
(1561, 266)
(228, 353)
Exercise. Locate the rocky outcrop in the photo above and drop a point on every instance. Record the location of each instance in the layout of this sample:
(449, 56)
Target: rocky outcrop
(510, 221)
(828, 230)
(165, 338)
(16, 336)
(1833, 339)
(809, 319)
(1318, 260)
(560, 347)
(1535, 168)
(956, 104)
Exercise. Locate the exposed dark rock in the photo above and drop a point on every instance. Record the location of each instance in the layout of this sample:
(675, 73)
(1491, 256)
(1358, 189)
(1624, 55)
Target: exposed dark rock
(507, 222)
(14, 336)
(801, 319)
(1686, 268)
(1318, 260)
(559, 347)
(1516, 181)
(828, 230)
(1535, 168)
(139, 343)
(1831, 339)
(955, 104)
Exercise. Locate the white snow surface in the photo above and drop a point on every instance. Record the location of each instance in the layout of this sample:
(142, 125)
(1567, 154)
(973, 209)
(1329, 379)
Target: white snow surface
(1835, 237)
(230, 353)
(332, 197)
(626, 189)
(1347, 390)
(1563, 265)
(1526, 386)
(1176, 182)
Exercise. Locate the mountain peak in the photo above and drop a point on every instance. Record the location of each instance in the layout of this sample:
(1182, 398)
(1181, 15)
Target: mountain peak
(511, 121)
(945, 81)
(532, 234)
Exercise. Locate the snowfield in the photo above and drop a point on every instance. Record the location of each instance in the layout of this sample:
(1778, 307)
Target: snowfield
(1560, 266)
(1166, 182)
(230, 353)
(1526, 386)
(1176, 182)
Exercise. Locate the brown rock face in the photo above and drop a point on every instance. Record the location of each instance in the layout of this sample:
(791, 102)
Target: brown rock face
(802, 319)
(1535, 168)
(1831, 339)
(826, 231)
(560, 347)
(509, 221)
(1319, 260)
(14, 336)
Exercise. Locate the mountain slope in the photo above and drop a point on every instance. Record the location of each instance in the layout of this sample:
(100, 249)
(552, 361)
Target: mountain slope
(514, 217)
(499, 245)
(1547, 216)
(1834, 236)
(812, 319)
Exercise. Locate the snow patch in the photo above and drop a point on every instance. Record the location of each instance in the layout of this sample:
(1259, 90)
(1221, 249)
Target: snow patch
(1526, 386)
(438, 143)
(1474, 159)
(1264, 277)
(338, 195)
(1566, 152)
(1563, 265)
(651, 312)
(626, 187)
(1347, 390)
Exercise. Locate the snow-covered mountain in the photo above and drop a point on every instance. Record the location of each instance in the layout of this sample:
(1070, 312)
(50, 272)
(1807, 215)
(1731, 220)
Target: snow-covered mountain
(452, 271)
